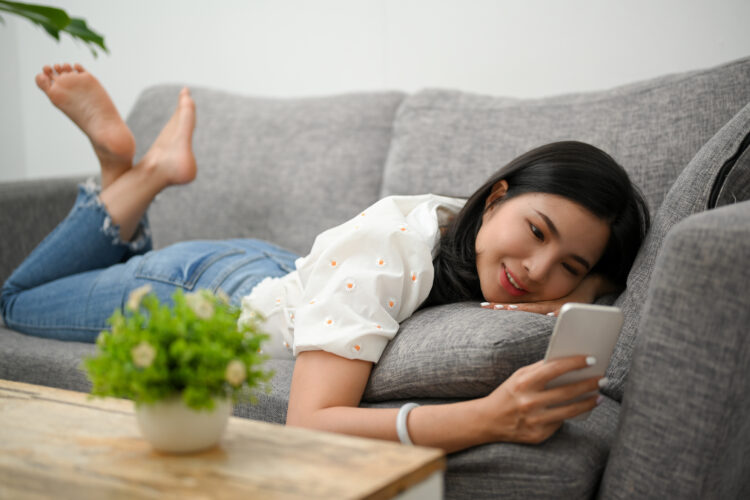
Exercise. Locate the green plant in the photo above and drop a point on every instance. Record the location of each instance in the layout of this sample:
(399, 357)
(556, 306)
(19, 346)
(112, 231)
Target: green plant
(55, 20)
(194, 348)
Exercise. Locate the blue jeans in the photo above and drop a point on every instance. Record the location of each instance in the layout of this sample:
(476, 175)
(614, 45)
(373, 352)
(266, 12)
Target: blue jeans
(81, 272)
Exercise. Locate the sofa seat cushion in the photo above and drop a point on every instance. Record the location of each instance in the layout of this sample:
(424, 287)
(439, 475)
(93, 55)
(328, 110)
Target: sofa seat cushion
(568, 465)
(281, 170)
(41, 361)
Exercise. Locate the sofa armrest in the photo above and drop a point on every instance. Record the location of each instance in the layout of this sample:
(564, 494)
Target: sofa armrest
(684, 429)
(29, 210)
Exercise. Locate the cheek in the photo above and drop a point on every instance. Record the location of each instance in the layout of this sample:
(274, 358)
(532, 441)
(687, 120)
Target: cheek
(560, 285)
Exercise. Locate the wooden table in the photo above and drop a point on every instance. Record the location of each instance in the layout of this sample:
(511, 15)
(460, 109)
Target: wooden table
(59, 444)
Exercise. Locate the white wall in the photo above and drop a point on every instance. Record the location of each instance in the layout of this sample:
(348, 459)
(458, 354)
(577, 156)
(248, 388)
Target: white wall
(302, 47)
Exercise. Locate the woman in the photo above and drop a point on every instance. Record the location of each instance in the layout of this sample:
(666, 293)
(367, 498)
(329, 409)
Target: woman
(561, 223)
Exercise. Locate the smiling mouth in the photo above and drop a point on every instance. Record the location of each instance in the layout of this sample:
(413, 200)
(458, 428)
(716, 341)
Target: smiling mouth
(510, 284)
(512, 281)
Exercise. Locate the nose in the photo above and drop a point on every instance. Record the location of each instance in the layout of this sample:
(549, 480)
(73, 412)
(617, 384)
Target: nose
(538, 266)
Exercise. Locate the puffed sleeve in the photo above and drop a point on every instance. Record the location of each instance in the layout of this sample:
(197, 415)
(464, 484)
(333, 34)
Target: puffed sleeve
(360, 280)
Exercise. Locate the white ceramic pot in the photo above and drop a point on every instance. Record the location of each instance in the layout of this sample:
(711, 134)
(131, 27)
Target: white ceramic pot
(173, 427)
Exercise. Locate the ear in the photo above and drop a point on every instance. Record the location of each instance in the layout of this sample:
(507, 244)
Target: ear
(498, 191)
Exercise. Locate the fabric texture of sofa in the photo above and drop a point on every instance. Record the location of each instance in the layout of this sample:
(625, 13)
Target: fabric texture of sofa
(674, 421)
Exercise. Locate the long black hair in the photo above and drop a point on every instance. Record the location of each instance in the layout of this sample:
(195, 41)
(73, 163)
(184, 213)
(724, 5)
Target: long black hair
(575, 170)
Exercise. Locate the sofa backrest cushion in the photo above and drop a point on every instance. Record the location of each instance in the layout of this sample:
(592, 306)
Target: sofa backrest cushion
(718, 174)
(450, 142)
(281, 170)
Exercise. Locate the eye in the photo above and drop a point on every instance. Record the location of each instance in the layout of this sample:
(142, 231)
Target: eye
(570, 269)
(537, 232)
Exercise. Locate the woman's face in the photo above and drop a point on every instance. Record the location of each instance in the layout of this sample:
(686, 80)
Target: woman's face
(536, 246)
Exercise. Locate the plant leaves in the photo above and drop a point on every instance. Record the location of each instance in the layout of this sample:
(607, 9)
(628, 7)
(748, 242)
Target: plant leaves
(50, 16)
(54, 20)
(78, 29)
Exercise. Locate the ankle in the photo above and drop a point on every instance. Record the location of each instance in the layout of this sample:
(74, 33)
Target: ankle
(150, 170)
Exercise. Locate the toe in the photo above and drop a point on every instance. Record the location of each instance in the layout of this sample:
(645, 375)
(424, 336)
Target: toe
(48, 71)
(67, 68)
(79, 68)
(43, 81)
(58, 68)
(185, 99)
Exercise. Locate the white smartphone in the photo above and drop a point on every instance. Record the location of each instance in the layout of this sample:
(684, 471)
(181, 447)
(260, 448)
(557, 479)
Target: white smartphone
(584, 329)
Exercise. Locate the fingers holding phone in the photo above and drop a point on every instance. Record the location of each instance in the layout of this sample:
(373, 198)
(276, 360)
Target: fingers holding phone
(523, 410)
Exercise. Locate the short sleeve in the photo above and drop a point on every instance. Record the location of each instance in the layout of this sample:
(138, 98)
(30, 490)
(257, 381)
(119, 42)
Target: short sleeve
(360, 280)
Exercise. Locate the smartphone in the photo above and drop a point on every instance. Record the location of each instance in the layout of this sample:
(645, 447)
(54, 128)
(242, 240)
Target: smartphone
(586, 329)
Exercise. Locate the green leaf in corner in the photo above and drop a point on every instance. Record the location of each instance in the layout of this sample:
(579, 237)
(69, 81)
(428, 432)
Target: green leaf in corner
(54, 20)
(51, 19)
(78, 29)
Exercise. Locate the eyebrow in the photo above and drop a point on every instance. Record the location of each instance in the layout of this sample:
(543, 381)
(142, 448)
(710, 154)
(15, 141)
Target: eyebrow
(556, 233)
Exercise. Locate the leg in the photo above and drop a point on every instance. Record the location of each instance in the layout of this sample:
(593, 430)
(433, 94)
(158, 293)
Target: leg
(71, 308)
(170, 161)
(83, 99)
(85, 240)
(77, 307)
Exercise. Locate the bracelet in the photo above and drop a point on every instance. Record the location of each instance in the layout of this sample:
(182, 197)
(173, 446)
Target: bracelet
(401, 429)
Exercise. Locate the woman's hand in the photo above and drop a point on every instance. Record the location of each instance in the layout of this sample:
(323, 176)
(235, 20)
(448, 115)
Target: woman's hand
(520, 409)
(588, 290)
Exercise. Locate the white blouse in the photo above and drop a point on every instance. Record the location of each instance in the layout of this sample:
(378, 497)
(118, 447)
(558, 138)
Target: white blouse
(360, 280)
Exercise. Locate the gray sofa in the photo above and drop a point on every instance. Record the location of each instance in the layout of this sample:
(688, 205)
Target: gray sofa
(674, 421)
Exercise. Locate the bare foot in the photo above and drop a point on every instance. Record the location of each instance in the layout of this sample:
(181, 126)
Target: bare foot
(171, 155)
(83, 99)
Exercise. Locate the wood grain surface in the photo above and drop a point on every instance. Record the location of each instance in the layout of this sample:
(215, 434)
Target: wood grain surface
(61, 444)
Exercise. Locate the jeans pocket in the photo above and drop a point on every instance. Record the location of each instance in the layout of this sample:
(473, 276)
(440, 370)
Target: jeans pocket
(283, 260)
(183, 264)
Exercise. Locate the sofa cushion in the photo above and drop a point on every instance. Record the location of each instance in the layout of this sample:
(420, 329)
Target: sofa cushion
(282, 170)
(450, 142)
(457, 351)
(36, 360)
(718, 172)
(567, 465)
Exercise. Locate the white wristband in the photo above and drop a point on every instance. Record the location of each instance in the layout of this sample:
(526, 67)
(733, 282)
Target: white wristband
(401, 429)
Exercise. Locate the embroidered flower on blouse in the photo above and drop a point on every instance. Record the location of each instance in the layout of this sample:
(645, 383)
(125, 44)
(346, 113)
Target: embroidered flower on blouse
(413, 277)
(349, 285)
(356, 348)
(329, 321)
(391, 303)
(143, 354)
(333, 264)
(135, 297)
(380, 262)
(236, 372)
(402, 227)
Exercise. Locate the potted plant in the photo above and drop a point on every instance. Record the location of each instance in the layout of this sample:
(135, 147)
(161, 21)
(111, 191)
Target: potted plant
(182, 364)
